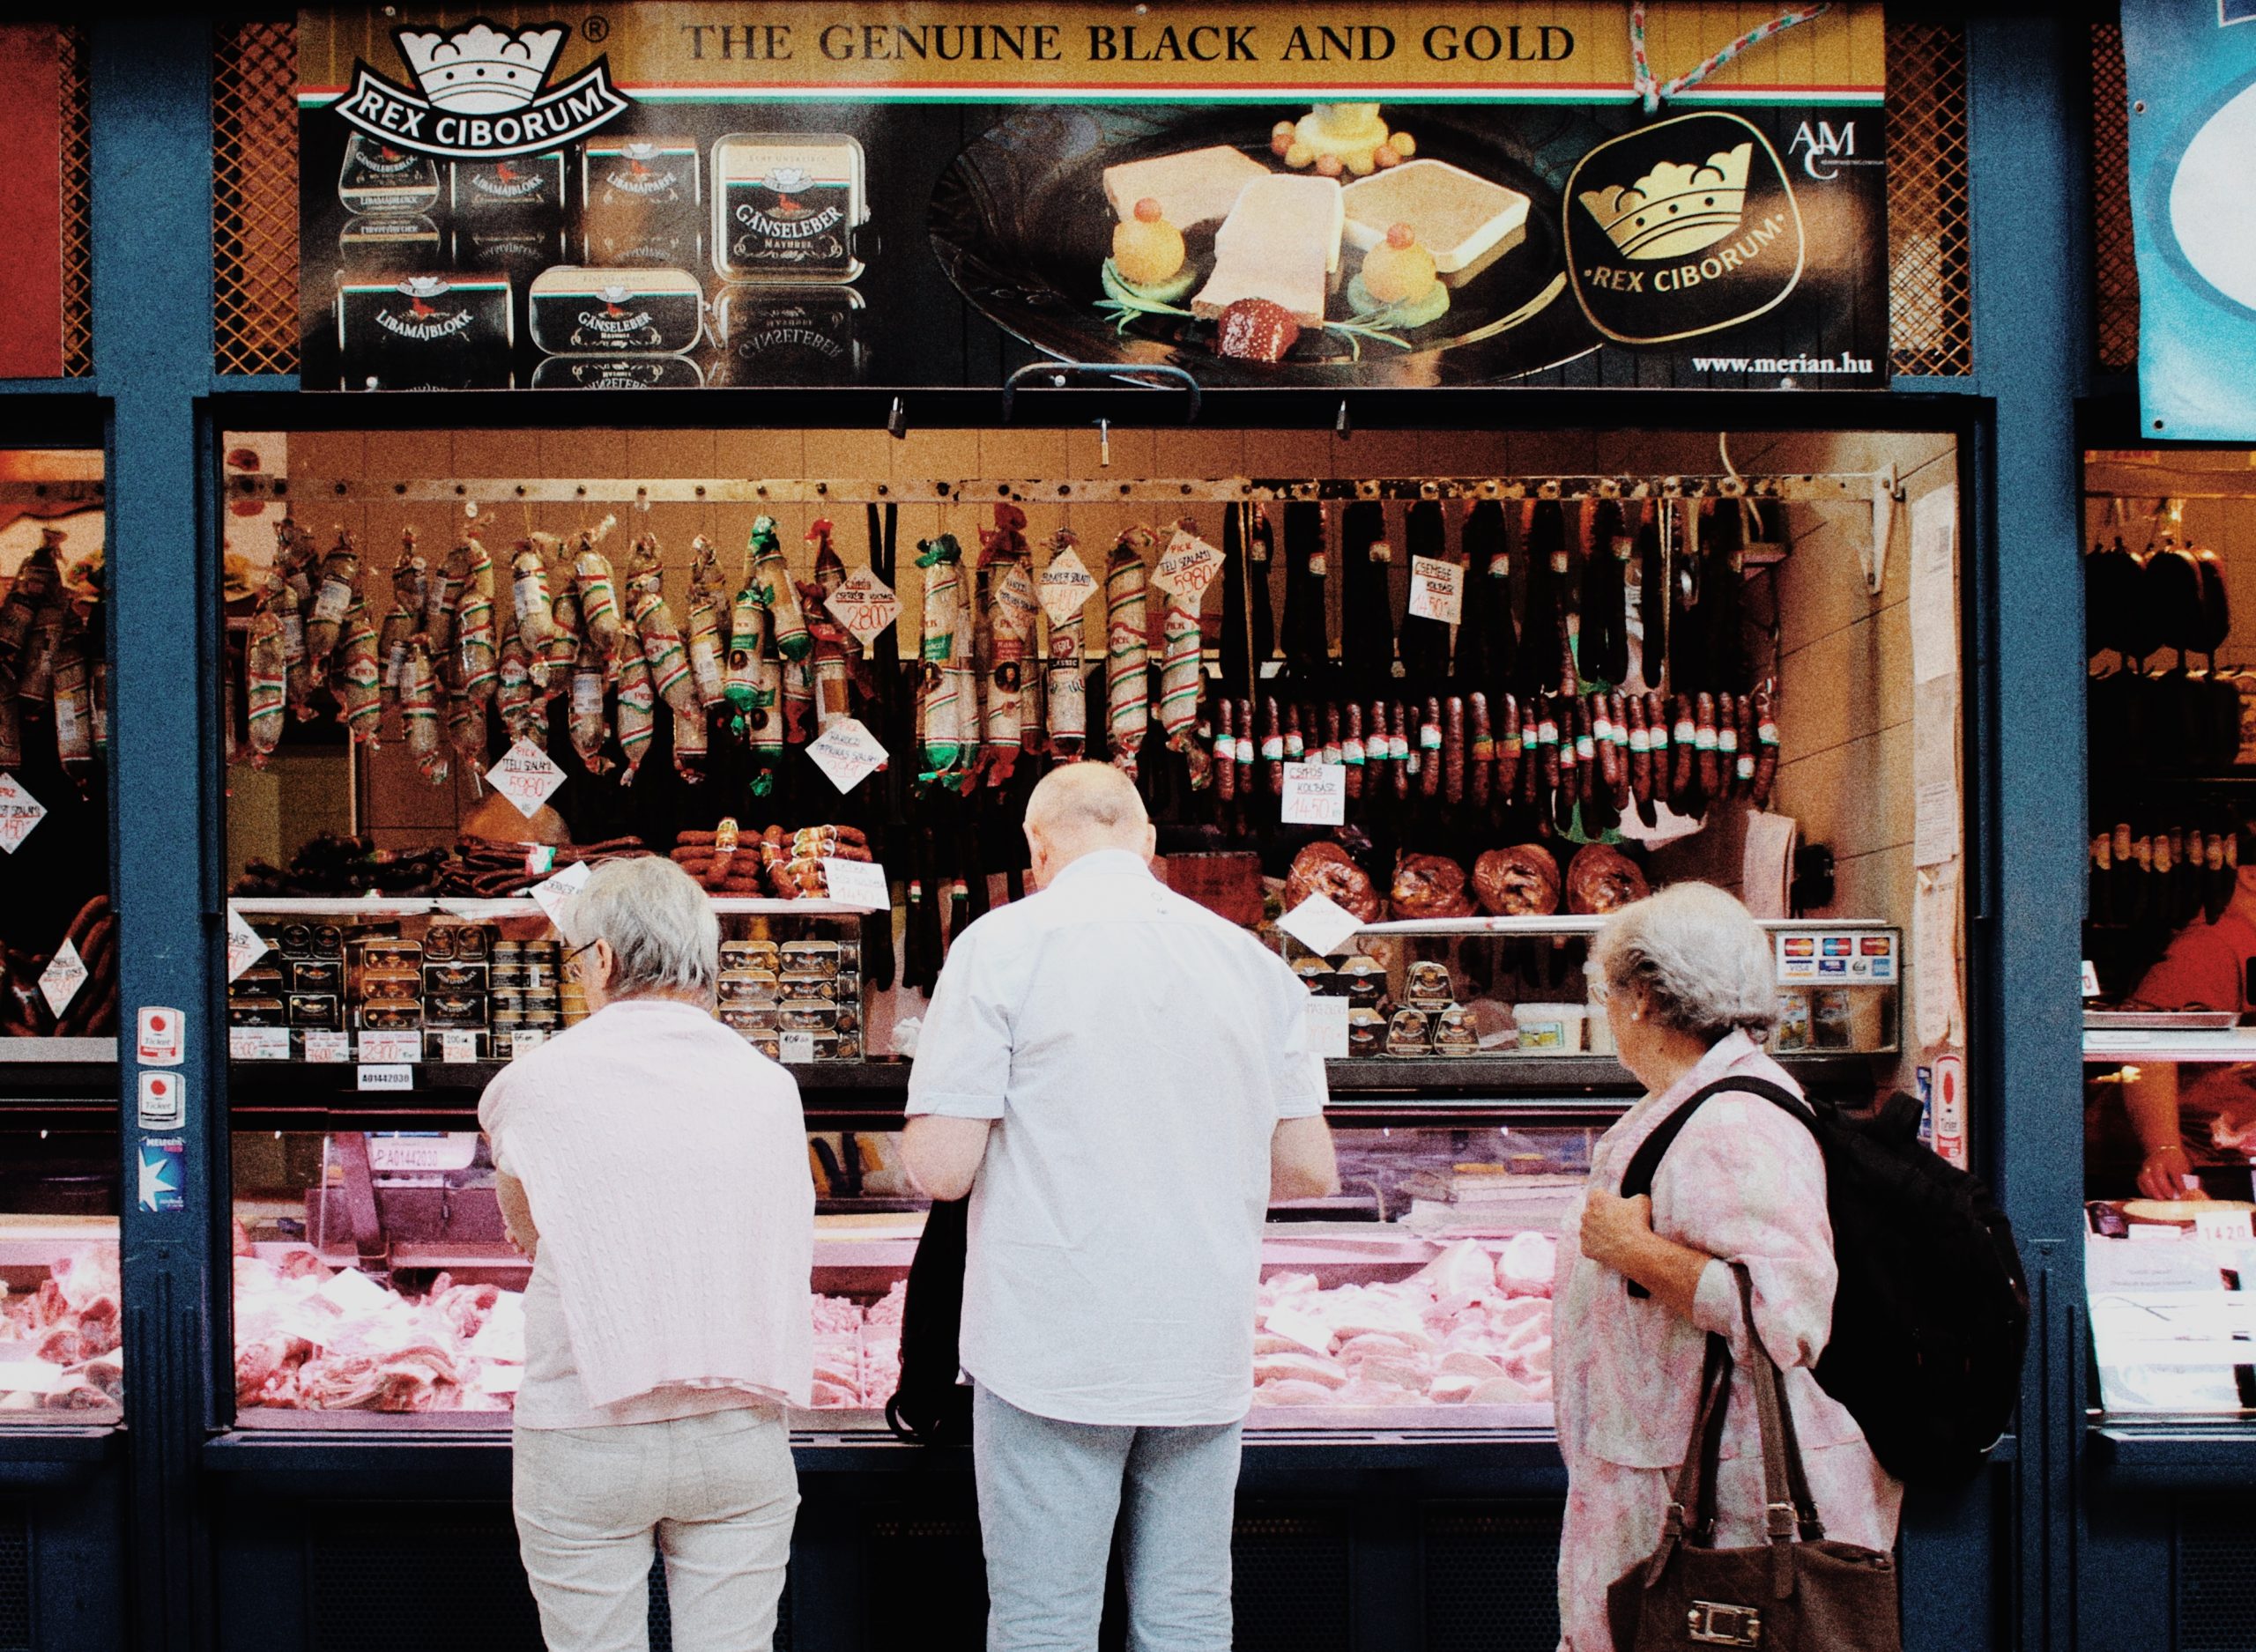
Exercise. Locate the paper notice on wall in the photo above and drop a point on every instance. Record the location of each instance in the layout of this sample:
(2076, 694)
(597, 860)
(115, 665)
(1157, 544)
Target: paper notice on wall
(1938, 811)
(1767, 865)
(1934, 585)
(1937, 1016)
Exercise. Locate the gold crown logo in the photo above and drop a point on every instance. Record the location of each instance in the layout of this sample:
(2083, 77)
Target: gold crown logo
(481, 70)
(1675, 208)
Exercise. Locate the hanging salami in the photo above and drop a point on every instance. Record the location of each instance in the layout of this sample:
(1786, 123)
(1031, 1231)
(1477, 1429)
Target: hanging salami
(1127, 647)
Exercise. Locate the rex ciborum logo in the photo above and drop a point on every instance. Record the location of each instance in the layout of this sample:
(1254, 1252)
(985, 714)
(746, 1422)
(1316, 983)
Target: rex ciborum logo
(481, 93)
(1679, 228)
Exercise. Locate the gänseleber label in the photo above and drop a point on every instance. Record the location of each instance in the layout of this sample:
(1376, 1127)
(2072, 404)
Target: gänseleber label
(479, 93)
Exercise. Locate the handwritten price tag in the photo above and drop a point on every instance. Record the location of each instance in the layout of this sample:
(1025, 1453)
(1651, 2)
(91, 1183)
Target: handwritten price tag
(1015, 603)
(1066, 586)
(1327, 1028)
(20, 813)
(553, 894)
(386, 1047)
(60, 981)
(245, 945)
(1437, 590)
(1321, 924)
(857, 884)
(864, 604)
(526, 775)
(847, 754)
(1187, 567)
(1316, 793)
(322, 1045)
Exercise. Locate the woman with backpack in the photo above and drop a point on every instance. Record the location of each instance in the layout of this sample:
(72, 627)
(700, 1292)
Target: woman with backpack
(1687, 983)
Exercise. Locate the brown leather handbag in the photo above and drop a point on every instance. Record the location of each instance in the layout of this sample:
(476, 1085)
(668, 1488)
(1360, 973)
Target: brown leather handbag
(1799, 1591)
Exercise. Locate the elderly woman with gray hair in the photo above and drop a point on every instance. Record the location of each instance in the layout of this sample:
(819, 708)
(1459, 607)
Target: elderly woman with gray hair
(1687, 983)
(654, 1167)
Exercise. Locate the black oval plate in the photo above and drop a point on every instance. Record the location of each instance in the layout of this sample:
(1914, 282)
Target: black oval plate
(1020, 224)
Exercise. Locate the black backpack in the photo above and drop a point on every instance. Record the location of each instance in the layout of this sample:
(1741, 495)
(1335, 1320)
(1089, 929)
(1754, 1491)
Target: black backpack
(1931, 1317)
(929, 1407)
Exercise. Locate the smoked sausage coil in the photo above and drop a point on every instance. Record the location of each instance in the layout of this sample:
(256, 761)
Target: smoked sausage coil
(1641, 751)
(1398, 748)
(1433, 752)
(1766, 760)
(1510, 749)
(1245, 748)
(1743, 771)
(1273, 747)
(1618, 726)
(1602, 732)
(1685, 735)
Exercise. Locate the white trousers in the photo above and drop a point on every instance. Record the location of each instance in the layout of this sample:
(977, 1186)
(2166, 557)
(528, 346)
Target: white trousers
(714, 1494)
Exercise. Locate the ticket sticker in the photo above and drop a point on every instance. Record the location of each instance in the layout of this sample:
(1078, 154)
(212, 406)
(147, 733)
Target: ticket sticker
(158, 1036)
(163, 1105)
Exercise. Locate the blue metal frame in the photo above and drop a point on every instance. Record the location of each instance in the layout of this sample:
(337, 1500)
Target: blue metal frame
(2005, 1552)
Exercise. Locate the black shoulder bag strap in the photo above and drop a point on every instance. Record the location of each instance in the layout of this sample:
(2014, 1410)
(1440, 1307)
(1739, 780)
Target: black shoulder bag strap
(1638, 1177)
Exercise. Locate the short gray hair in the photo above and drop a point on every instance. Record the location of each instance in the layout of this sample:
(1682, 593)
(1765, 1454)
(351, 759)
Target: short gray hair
(660, 925)
(1703, 960)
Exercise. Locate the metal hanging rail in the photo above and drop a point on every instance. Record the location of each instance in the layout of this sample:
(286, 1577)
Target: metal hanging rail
(1842, 488)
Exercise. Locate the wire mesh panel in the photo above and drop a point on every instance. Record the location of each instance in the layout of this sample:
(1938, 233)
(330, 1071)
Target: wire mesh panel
(1288, 1578)
(78, 241)
(1491, 1578)
(15, 1578)
(2217, 1578)
(255, 198)
(437, 1577)
(1930, 296)
(2114, 259)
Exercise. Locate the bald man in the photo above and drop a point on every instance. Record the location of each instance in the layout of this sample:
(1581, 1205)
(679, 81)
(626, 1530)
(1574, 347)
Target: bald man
(1119, 1079)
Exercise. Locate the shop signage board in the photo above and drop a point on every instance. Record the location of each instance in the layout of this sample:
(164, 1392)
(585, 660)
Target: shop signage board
(2190, 74)
(652, 194)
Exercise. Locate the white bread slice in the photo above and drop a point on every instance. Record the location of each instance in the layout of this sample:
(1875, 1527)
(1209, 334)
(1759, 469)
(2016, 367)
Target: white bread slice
(1280, 243)
(1199, 186)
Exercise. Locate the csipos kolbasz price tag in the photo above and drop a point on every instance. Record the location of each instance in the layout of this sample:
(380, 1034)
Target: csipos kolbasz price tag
(1316, 793)
(526, 775)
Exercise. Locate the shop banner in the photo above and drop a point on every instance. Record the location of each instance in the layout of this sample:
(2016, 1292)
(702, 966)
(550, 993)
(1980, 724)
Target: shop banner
(2190, 74)
(661, 195)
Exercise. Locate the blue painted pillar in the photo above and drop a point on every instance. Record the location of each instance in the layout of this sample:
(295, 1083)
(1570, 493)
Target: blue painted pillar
(150, 83)
(2032, 235)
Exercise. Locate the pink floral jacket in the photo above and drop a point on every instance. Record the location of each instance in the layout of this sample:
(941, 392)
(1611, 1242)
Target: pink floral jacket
(1744, 1182)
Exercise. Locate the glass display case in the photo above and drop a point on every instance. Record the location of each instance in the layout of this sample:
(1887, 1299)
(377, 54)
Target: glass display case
(2169, 1049)
(372, 1280)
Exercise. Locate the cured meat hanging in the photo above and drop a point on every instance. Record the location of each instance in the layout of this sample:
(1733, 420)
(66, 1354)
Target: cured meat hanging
(706, 667)
(1425, 645)
(360, 689)
(940, 709)
(340, 572)
(266, 675)
(1127, 647)
(1068, 700)
(1007, 592)
(637, 703)
(1306, 643)
(598, 593)
(1181, 675)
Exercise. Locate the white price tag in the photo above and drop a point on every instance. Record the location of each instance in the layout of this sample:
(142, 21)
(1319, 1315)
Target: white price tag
(245, 945)
(20, 813)
(554, 893)
(257, 1044)
(857, 884)
(2231, 1227)
(1321, 924)
(1437, 590)
(1066, 585)
(527, 1039)
(795, 1046)
(2090, 980)
(386, 1047)
(864, 604)
(157, 1036)
(1015, 603)
(164, 1095)
(1327, 1028)
(847, 754)
(325, 1045)
(60, 981)
(385, 1076)
(1316, 793)
(456, 1047)
(526, 775)
(1187, 567)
